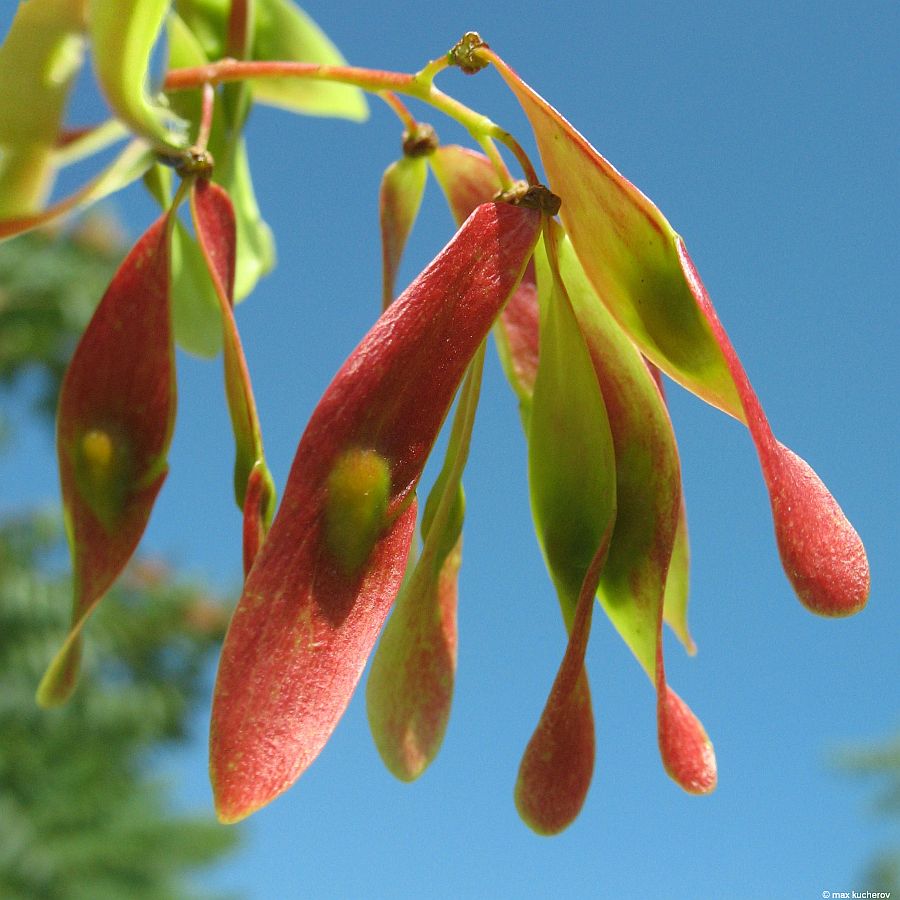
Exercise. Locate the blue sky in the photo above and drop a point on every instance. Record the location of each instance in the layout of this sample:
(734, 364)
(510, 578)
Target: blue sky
(768, 136)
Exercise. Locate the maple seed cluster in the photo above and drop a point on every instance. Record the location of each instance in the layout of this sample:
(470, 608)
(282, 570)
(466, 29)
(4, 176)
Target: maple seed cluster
(587, 310)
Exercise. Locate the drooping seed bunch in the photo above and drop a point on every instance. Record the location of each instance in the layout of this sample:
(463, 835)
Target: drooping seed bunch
(587, 309)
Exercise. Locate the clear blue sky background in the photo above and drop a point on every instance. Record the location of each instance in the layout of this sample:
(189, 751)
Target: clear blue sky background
(767, 133)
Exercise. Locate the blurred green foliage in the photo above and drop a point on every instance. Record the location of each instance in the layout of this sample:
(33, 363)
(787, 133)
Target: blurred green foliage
(880, 762)
(82, 816)
(49, 286)
(79, 815)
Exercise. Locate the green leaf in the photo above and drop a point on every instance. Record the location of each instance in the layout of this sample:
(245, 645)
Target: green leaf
(642, 271)
(648, 481)
(122, 38)
(83, 143)
(572, 476)
(39, 60)
(282, 31)
(185, 51)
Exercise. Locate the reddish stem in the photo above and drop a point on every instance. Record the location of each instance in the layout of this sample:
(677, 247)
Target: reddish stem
(399, 108)
(228, 70)
(206, 116)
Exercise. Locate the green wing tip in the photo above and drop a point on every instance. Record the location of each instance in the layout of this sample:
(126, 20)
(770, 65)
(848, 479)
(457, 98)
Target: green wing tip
(59, 680)
(685, 639)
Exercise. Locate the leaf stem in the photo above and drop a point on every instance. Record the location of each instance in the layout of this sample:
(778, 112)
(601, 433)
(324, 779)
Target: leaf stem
(497, 161)
(428, 73)
(517, 150)
(228, 70)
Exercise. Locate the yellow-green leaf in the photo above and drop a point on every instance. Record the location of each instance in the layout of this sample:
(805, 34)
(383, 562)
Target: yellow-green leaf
(122, 38)
(284, 31)
(281, 31)
(131, 163)
(39, 59)
(206, 21)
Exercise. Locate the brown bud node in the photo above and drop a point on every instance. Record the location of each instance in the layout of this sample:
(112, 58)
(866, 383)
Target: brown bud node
(195, 162)
(420, 141)
(532, 196)
(462, 54)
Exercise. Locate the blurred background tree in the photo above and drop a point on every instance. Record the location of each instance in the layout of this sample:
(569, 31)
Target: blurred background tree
(880, 762)
(81, 813)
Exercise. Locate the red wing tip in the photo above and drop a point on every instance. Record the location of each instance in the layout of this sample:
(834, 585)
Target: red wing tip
(231, 813)
(542, 821)
(552, 787)
(696, 782)
(834, 609)
(234, 802)
(231, 818)
(822, 554)
(687, 753)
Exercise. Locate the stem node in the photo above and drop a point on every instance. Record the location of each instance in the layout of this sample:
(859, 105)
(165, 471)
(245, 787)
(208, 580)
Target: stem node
(532, 196)
(421, 140)
(462, 54)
